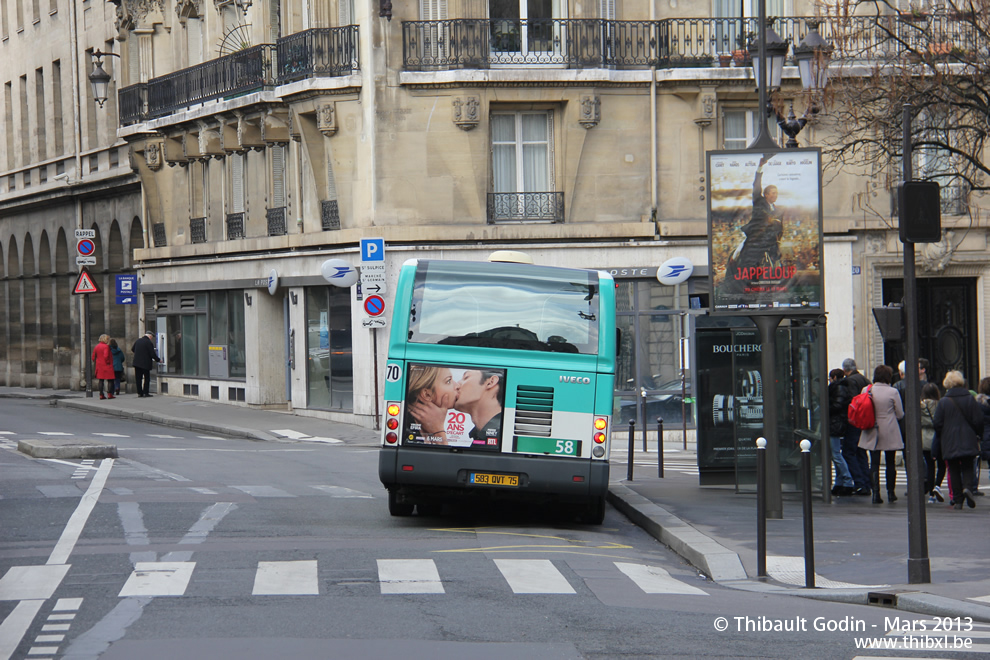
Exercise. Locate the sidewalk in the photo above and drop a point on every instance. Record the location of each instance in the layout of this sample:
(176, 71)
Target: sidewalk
(861, 549)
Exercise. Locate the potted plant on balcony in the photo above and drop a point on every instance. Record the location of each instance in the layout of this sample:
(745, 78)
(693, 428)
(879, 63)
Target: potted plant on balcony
(741, 56)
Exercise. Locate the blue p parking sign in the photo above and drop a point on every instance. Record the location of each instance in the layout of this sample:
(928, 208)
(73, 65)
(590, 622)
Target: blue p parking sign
(372, 249)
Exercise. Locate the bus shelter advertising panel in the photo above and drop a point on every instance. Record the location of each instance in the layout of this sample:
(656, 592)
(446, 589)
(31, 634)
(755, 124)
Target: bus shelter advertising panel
(454, 406)
(765, 231)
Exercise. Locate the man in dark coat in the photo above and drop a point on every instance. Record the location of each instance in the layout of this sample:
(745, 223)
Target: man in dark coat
(856, 458)
(145, 356)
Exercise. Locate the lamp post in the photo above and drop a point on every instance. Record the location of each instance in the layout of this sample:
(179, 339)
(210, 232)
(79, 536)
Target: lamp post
(813, 55)
(100, 79)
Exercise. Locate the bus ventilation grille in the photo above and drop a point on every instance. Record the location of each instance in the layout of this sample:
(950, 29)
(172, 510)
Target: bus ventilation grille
(534, 411)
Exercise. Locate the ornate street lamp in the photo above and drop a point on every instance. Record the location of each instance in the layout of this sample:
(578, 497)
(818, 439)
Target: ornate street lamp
(100, 79)
(776, 54)
(813, 55)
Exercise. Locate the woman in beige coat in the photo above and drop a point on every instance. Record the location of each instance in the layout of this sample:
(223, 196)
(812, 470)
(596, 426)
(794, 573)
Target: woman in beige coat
(886, 435)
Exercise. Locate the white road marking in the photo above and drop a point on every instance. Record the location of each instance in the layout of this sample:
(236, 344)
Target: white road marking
(209, 437)
(67, 605)
(53, 433)
(533, 576)
(263, 491)
(14, 627)
(111, 435)
(55, 627)
(70, 463)
(289, 433)
(982, 599)
(7, 433)
(326, 441)
(166, 578)
(409, 576)
(43, 650)
(203, 491)
(74, 527)
(655, 580)
(286, 578)
(790, 570)
(164, 436)
(32, 582)
(48, 639)
(340, 491)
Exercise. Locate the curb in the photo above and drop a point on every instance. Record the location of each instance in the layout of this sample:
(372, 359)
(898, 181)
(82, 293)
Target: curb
(46, 449)
(173, 422)
(707, 555)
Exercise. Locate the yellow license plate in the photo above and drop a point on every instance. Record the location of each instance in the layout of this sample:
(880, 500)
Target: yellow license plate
(488, 479)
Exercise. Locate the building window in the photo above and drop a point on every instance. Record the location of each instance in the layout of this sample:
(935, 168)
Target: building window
(522, 168)
(329, 362)
(192, 322)
(740, 126)
(525, 29)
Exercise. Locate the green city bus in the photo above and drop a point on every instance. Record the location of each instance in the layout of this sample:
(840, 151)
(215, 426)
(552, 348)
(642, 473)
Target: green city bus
(499, 384)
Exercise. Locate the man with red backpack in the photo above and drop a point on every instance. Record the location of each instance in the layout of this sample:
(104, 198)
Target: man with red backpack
(856, 457)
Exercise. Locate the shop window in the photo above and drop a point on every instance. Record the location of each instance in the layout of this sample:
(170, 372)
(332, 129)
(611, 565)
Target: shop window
(192, 322)
(329, 360)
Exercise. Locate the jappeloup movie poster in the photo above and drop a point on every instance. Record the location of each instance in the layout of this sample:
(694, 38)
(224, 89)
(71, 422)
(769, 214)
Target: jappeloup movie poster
(765, 231)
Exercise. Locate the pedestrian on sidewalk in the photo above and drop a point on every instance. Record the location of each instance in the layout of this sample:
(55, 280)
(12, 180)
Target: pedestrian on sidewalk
(118, 366)
(930, 395)
(959, 424)
(104, 365)
(856, 457)
(885, 437)
(145, 356)
(982, 398)
(838, 406)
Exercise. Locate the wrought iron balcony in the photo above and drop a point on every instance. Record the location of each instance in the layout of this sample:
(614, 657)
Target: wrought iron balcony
(667, 43)
(232, 75)
(235, 226)
(318, 52)
(133, 103)
(329, 215)
(525, 207)
(276, 221)
(197, 230)
(158, 235)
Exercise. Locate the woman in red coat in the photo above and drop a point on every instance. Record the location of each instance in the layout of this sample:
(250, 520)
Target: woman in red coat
(104, 365)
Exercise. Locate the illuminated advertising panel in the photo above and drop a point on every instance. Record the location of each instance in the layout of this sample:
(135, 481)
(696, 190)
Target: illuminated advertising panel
(765, 231)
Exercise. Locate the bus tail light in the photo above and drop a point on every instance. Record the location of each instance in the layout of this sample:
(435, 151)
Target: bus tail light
(601, 430)
(392, 412)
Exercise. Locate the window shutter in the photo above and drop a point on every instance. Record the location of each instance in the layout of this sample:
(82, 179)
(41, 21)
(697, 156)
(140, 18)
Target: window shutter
(345, 12)
(433, 10)
(608, 9)
(278, 177)
(236, 183)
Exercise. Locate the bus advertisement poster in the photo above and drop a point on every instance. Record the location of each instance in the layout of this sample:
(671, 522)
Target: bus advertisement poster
(454, 406)
(765, 231)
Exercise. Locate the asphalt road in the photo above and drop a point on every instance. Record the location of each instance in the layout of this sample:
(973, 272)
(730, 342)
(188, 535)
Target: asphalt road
(191, 546)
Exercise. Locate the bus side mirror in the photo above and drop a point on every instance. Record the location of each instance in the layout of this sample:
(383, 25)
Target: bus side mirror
(618, 341)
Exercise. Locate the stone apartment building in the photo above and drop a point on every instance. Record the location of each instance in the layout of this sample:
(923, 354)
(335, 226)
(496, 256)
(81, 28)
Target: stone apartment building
(243, 142)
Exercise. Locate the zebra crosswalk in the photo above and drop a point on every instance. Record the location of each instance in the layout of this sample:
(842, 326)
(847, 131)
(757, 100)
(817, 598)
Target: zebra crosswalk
(405, 576)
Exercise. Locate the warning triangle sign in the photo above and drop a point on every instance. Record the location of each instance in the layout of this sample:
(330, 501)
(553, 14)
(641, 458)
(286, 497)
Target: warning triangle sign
(85, 284)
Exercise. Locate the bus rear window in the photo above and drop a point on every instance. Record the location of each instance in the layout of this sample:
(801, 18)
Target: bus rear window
(500, 305)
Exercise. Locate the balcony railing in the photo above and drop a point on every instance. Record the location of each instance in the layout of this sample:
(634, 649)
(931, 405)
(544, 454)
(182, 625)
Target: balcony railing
(667, 43)
(313, 53)
(158, 234)
(232, 75)
(133, 103)
(318, 52)
(526, 207)
(276, 221)
(329, 215)
(197, 230)
(235, 226)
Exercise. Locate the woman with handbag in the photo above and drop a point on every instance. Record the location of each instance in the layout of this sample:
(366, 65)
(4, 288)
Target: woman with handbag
(959, 424)
(885, 437)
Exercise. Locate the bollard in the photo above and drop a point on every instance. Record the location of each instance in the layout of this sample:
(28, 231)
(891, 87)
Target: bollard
(632, 449)
(809, 534)
(761, 508)
(660, 447)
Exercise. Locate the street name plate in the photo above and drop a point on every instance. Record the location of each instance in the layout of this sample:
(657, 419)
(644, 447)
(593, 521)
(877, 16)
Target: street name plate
(85, 261)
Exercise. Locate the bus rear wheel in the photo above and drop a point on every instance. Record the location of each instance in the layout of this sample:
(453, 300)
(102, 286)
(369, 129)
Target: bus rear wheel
(595, 513)
(397, 508)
